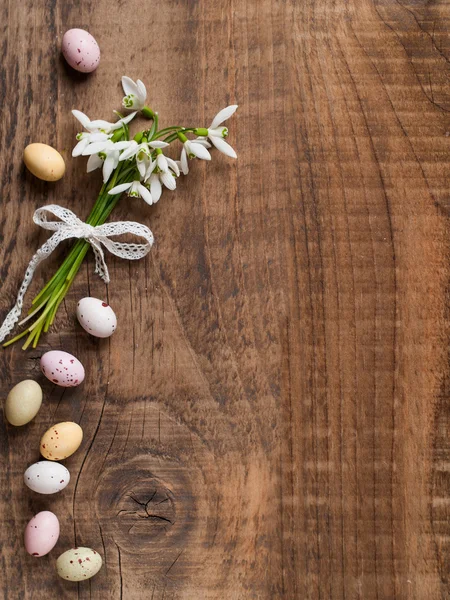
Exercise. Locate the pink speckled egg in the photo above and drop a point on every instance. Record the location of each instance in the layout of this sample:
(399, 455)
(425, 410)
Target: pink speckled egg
(62, 368)
(41, 533)
(80, 50)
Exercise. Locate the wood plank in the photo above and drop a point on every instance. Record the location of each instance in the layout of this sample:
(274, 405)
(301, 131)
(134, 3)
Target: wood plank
(271, 418)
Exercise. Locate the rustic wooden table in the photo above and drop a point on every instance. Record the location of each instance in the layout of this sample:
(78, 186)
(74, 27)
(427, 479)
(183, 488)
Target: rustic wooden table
(271, 418)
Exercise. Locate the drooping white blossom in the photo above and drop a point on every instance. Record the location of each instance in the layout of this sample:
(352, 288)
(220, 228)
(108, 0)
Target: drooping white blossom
(106, 152)
(135, 94)
(135, 189)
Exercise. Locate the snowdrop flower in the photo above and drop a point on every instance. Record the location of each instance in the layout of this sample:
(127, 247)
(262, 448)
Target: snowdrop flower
(99, 125)
(135, 189)
(135, 94)
(216, 134)
(192, 149)
(106, 153)
(85, 138)
(162, 171)
(142, 152)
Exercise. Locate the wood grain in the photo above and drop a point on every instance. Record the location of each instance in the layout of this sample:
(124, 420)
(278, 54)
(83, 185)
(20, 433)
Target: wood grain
(271, 418)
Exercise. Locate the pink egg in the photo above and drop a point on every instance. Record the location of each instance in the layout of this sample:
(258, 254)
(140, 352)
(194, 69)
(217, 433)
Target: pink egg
(80, 50)
(41, 533)
(62, 368)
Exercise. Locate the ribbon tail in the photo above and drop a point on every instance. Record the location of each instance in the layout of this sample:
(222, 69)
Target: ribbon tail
(14, 314)
(100, 264)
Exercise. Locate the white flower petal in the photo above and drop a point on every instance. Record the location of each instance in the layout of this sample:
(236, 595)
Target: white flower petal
(158, 144)
(199, 151)
(81, 117)
(173, 165)
(223, 115)
(145, 194)
(129, 87)
(128, 118)
(223, 146)
(184, 162)
(94, 148)
(130, 150)
(142, 166)
(80, 147)
(155, 188)
(141, 91)
(108, 168)
(120, 188)
(161, 161)
(168, 180)
(94, 162)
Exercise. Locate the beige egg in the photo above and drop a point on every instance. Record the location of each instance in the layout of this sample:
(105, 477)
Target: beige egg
(78, 564)
(61, 440)
(44, 162)
(23, 402)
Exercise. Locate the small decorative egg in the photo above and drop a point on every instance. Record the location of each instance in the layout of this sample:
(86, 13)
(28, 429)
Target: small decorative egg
(44, 162)
(46, 477)
(78, 564)
(96, 317)
(23, 402)
(61, 440)
(80, 50)
(62, 368)
(41, 533)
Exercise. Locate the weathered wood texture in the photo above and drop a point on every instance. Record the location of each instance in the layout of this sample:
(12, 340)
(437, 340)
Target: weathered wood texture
(271, 418)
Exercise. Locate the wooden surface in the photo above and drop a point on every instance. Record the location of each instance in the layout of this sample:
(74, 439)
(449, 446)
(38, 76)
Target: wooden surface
(271, 418)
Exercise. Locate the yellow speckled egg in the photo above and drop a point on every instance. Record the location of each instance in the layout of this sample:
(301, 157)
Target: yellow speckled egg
(61, 440)
(44, 162)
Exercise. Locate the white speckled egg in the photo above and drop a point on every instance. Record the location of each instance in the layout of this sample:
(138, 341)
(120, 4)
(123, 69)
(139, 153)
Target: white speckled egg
(46, 477)
(78, 564)
(96, 317)
(62, 368)
(41, 533)
(23, 402)
(80, 50)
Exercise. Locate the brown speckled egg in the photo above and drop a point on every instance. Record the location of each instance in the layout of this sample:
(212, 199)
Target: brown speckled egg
(61, 440)
(78, 564)
(62, 368)
(80, 50)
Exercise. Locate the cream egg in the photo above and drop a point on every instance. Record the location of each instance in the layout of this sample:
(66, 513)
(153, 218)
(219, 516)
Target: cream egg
(41, 533)
(23, 402)
(61, 440)
(78, 564)
(46, 477)
(80, 50)
(96, 317)
(62, 368)
(44, 162)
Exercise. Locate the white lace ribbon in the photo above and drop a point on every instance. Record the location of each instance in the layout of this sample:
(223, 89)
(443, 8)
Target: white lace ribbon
(70, 226)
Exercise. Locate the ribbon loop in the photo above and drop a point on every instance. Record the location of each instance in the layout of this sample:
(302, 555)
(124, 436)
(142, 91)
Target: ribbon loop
(70, 226)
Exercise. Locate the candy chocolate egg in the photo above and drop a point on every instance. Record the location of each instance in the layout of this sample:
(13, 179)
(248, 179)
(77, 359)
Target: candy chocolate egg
(23, 402)
(80, 50)
(41, 533)
(45, 477)
(78, 564)
(61, 440)
(44, 162)
(96, 317)
(62, 368)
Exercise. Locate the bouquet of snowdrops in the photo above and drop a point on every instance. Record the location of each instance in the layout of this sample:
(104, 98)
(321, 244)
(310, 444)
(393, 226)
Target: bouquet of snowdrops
(136, 166)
